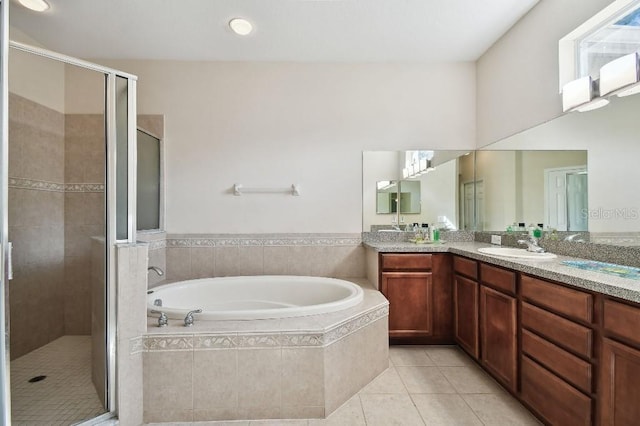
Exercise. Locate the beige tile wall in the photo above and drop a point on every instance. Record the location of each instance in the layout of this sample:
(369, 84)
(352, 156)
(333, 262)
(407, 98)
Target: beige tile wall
(185, 382)
(256, 258)
(83, 214)
(52, 229)
(131, 278)
(36, 225)
(98, 316)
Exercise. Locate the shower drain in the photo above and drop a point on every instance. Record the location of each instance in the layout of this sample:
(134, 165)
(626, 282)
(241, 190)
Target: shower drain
(37, 379)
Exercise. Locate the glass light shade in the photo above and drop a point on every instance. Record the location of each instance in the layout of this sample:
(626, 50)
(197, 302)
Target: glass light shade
(576, 93)
(619, 73)
(37, 5)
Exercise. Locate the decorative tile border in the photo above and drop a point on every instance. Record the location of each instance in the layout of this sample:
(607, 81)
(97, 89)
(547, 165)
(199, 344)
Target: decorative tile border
(37, 185)
(342, 330)
(83, 187)
(265, 240)
(187, 342)
(136, 345)
(41, 185)
(221, 341)
(157, 245)
(168, 343)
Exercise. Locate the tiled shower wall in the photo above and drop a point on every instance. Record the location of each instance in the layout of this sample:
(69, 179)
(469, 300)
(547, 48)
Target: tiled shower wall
(214, 255)
(84, 217)
(56, 204)
(36, 224)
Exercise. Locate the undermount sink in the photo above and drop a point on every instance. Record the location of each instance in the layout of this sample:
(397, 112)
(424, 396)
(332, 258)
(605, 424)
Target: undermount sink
(389, 230)
(516, 253)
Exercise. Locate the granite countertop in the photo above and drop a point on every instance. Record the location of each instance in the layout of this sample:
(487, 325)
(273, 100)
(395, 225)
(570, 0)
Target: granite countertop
(551, 269)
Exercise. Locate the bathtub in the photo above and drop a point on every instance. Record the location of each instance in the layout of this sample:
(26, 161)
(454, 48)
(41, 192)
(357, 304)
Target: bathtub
(254, 297)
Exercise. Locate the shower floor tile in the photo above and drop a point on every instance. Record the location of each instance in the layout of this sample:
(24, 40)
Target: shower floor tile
(66, 396)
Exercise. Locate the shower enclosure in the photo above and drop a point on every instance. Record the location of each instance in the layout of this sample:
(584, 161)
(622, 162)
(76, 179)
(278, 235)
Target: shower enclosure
(68, 196)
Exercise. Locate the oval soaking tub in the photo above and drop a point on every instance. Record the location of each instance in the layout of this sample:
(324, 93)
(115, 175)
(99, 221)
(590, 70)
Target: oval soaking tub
(254, 297)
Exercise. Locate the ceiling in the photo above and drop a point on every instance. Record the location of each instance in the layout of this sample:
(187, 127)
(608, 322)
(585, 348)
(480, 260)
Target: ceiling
(285, 30)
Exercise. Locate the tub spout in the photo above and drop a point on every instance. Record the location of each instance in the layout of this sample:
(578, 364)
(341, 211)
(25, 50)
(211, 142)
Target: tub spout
(188, 320)
(157, 270)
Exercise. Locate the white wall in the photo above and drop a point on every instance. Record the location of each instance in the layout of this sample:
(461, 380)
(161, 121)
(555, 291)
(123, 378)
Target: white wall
(517, 78)
(274, 124)
(439, 193)
(496, 170)
(33, 77)
(611, 137)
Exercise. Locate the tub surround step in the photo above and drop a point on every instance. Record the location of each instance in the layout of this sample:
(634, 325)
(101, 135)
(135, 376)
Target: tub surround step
(304, 367)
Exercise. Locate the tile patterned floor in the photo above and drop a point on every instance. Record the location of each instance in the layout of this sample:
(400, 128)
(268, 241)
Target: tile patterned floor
(424, 385)
(66, 396)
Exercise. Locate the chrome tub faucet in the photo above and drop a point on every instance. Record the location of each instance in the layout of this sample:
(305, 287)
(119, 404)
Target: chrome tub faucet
(188, 320)
(156, 269)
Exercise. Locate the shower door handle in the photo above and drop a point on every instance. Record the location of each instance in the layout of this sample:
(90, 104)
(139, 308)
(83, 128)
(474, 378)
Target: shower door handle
(9, 261)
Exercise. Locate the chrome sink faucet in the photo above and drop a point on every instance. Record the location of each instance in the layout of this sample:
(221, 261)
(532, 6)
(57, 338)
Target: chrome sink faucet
(532, 244)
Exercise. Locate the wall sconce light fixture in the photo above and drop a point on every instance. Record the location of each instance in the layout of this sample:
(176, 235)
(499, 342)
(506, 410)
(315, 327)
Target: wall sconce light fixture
(621, 76)
(581, 95)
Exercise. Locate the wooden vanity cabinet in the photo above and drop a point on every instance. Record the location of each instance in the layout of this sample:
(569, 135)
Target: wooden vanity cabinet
(557, 371)
(418, 287)
(498, 324)
(466, 296)
(619, 395)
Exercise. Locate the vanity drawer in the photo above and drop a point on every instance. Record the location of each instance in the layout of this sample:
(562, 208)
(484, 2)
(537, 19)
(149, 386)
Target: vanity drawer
(572, 303)
(405, 262)
(498, 278)
(464, 266)
(558, 330)
(622, 320)
(569, 367)
(556, 401)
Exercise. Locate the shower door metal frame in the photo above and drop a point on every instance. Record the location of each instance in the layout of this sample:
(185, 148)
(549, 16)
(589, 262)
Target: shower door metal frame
(5, 386)
(110, 198)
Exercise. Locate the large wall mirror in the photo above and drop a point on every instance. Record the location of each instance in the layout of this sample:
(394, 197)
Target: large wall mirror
(426, 187)
(515, 189)
(611, 138)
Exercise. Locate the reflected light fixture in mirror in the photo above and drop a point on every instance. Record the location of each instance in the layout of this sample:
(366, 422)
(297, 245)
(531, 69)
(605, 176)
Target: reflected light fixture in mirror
(621, 76)
(240, 26)
(581, 95)
(36, 5)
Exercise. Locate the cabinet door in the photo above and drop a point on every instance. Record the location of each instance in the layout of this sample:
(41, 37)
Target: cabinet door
(410, 303)
(498, 331)
(620, 375)
(465, 296)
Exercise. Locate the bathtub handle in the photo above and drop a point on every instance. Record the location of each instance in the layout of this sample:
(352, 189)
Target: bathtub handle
(188, 320)
(162, 319)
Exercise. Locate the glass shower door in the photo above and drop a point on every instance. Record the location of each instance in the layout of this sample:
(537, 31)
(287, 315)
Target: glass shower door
(5, 394)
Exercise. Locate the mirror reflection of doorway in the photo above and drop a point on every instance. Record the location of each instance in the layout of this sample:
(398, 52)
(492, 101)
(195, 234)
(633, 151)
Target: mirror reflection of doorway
(566, 200)
(472, 201)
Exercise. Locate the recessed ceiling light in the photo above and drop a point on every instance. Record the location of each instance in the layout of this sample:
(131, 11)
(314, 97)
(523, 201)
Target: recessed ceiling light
(37, 5)
(240, 26)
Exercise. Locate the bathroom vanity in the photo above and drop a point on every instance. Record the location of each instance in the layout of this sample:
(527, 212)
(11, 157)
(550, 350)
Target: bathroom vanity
(565, 342)
(418, 285)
